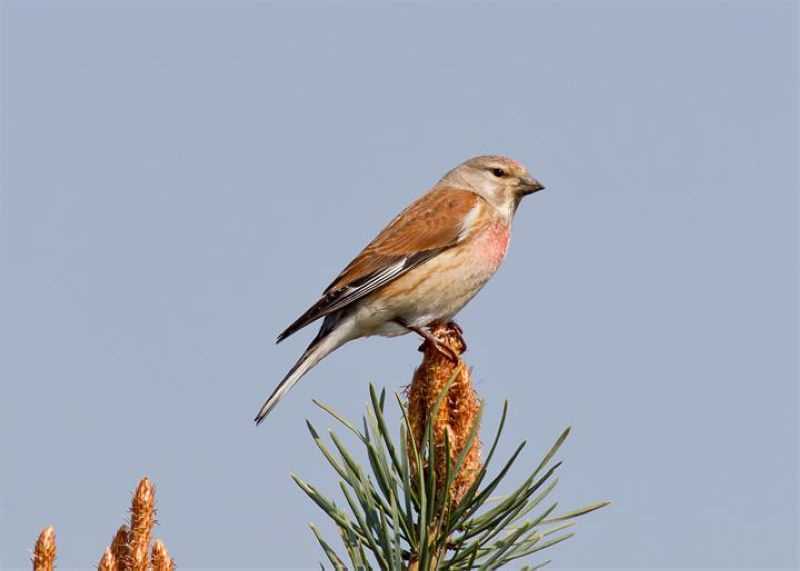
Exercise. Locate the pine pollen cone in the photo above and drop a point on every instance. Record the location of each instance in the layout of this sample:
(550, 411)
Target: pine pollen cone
(456, 415)
(142, 521)
(44, 553)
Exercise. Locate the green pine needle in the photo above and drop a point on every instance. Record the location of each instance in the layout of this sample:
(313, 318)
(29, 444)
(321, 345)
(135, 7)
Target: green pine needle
(399, 513)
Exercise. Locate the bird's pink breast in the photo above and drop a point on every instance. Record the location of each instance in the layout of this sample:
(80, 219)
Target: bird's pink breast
(492, 244)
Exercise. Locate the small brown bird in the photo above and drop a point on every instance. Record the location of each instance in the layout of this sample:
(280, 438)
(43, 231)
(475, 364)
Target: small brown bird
(422, 268)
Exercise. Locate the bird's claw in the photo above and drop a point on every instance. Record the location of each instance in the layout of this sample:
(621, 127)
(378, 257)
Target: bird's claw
(444, 350)
(459, 334)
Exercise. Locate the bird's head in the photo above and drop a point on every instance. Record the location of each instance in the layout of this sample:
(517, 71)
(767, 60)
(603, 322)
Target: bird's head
(503, 182)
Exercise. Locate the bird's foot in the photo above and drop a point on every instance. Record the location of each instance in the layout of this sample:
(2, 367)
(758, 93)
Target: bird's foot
(459, 333)
(441, 348)
(455, 326)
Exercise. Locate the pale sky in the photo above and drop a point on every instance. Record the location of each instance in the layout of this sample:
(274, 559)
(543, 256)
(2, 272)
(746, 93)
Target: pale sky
(180, 180)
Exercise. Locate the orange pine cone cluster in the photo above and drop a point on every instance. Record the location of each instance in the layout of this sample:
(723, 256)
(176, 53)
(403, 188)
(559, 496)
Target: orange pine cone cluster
(456, 415)
(130, 547)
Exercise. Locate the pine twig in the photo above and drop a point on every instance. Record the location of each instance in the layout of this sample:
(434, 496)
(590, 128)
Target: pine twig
(430, 503)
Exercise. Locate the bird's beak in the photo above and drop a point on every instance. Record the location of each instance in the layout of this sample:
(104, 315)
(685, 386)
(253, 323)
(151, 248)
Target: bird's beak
(529, 185)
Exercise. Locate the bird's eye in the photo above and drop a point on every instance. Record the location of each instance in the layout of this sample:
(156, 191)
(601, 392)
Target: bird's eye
(499, 173)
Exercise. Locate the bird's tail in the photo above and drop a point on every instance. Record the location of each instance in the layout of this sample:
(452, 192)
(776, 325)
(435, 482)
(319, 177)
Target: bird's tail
(332, 334)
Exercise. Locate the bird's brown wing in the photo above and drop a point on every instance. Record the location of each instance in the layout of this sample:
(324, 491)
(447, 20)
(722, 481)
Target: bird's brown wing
(435, 222)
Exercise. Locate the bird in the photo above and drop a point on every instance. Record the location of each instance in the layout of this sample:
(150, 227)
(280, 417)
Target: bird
(422, 268)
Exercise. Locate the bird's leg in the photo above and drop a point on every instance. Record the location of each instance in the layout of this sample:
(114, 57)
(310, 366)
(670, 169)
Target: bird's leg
(460, 332)
(443, 349)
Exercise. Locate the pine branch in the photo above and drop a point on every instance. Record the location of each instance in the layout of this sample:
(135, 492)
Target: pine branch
(423, 504)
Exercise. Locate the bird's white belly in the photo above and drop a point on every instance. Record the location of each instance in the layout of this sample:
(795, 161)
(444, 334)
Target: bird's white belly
(436, 290)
